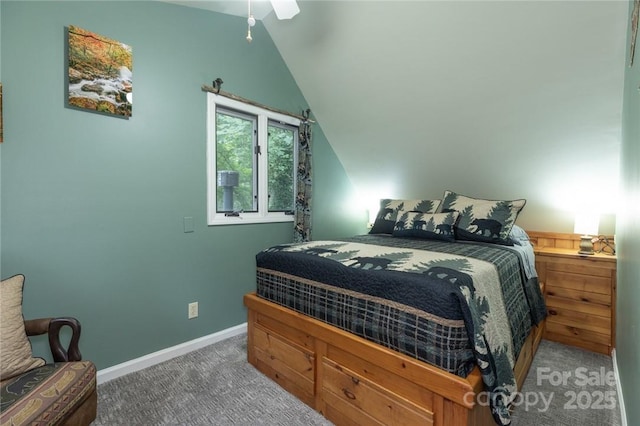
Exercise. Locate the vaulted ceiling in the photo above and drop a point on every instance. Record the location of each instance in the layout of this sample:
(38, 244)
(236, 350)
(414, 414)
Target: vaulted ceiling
(493, 98)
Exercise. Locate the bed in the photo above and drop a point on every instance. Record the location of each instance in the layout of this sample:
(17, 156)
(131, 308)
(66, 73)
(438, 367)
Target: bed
(415, 324)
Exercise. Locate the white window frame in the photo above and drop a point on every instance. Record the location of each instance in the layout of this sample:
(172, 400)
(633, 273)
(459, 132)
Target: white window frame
(263, 215)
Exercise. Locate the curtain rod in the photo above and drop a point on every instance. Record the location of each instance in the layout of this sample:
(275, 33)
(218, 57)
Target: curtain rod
(218, 91)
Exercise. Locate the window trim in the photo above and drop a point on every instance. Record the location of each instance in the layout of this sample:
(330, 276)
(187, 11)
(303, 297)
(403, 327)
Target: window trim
(296, 140)
(264, 116)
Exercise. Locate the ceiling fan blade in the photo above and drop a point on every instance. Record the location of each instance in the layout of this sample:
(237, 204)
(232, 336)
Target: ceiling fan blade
(285, 9)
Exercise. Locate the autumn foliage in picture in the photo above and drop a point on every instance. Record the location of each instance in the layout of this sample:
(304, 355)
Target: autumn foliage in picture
(100, 73)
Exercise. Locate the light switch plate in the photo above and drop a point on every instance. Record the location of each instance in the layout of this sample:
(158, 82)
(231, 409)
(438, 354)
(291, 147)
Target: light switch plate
(193, 310)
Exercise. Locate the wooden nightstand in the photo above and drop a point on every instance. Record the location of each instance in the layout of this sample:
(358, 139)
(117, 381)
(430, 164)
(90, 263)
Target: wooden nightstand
(580, 292)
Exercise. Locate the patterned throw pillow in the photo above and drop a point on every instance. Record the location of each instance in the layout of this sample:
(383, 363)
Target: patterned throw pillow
(437, 226)
(15, 356)
(482, 220)
(388, 213)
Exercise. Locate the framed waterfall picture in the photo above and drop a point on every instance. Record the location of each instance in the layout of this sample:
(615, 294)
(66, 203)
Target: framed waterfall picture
(100, 73)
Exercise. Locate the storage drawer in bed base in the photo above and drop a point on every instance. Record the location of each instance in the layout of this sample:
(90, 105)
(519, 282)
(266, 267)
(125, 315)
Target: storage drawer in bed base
(352, 381)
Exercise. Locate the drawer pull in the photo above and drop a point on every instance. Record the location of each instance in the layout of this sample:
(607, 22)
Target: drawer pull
(348, 393)
(355, 380)
(552, 312)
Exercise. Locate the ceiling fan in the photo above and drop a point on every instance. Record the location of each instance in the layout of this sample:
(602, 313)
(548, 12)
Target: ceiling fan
(284, 9)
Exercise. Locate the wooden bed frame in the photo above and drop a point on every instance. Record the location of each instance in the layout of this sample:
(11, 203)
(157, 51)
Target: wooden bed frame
(352, 381)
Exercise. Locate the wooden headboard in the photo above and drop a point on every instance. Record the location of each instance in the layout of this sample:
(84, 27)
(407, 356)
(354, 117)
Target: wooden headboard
(561, 240)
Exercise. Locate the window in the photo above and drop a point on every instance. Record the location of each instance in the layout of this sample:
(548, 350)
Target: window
(251, 163)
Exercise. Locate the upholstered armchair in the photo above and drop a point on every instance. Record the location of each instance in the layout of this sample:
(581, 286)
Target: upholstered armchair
(32, 391)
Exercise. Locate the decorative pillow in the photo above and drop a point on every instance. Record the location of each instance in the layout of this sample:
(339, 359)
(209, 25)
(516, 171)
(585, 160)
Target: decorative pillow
(15, 357)
(437, 226)
(388, 213)
(482, 220)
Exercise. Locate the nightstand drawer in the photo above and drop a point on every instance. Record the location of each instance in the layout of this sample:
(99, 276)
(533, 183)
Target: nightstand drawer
(582, 266)
(581, 282)
(579, 337)
(565, 292)
(572, 318)
(580, 294)
(560, 304)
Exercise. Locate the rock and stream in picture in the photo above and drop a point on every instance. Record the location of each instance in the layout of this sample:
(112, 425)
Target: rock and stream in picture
(100, 73)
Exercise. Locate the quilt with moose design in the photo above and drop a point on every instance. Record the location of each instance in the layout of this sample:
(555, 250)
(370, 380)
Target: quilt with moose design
(453, 305)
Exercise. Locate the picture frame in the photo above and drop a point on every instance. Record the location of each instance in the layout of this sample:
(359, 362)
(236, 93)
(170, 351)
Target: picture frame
(100, 73)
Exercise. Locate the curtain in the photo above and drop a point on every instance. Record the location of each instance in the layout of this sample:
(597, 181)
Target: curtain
(302, 214)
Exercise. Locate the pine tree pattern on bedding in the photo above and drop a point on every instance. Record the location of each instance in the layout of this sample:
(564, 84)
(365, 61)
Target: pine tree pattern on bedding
(390, 210)
(488, 221)
(497, 316)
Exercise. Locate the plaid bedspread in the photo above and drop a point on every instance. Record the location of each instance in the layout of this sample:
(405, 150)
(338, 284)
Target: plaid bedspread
(453, 305)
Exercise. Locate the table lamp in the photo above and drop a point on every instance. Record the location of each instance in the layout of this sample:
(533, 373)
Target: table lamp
(586, 225)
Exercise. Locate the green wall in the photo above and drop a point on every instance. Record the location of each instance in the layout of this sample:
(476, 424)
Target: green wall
(628, 241)
(93, 206)
(1, 148)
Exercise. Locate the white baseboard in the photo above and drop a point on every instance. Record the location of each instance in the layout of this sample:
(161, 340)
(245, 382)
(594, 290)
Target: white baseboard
(623, 412)
(162, 355)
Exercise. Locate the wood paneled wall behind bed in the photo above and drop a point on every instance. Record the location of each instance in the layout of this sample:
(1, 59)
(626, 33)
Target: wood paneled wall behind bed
(560, 240)
(352, 381)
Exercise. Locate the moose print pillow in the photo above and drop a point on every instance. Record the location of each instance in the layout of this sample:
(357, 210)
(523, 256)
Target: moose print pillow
(423, 225)
(482, 220)
(388, 213)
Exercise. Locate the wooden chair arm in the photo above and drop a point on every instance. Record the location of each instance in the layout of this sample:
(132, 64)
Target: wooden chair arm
(36, 327)
(52, 326)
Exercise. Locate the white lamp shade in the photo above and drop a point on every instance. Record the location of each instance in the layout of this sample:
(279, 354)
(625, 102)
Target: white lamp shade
(586, 224)
(374, 207)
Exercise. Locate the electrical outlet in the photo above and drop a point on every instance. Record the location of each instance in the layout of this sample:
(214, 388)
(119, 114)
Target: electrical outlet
(193, 310)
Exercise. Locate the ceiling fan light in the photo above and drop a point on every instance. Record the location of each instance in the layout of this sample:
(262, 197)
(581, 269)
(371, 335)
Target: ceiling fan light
(285, 9)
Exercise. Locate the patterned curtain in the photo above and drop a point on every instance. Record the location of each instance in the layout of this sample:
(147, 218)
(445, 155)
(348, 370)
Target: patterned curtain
(302, 228)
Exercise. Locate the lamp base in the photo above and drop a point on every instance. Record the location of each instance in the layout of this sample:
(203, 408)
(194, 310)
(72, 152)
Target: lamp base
(586, 246)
